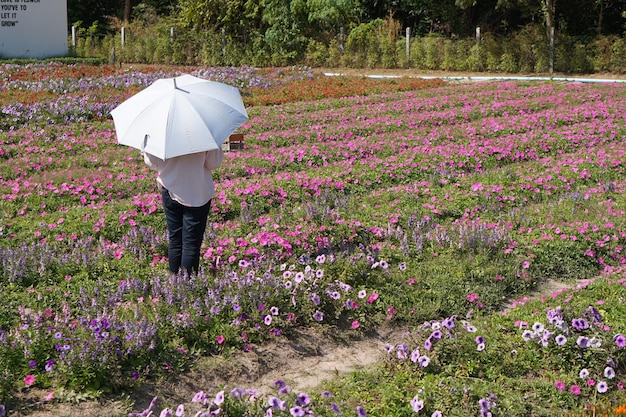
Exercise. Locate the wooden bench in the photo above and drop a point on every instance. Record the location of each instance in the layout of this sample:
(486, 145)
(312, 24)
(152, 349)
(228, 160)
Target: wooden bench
(234, 142)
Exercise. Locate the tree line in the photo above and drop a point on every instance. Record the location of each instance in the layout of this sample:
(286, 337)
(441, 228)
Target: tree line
(318, 18)
(517, 33)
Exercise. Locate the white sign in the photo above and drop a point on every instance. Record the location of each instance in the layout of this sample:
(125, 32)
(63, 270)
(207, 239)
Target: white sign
(33, 28)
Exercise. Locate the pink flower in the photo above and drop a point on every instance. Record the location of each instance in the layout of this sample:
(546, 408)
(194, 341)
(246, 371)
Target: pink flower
(220, 339)
(559, 385)
(355, 324)
(373, 297)
(472, 297)
(29, 379)
(525, 264)
(574, 389)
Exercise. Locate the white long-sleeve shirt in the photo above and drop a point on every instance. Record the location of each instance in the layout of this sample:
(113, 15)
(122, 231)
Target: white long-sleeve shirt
(188, 178)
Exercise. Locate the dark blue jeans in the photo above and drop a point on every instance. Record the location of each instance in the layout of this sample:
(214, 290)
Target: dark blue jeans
(186, 226)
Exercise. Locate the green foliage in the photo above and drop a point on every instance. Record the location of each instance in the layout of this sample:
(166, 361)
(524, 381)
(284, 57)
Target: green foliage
(284, 40)
(316, 54)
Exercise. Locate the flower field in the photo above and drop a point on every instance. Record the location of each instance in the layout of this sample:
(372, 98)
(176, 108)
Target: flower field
(356, 203)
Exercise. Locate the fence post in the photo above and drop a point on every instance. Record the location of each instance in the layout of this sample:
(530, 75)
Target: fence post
(408, 44)
(123, 36)
(223, 43)
(341, 39)
(171, 33)
(478, 35)
(74, 37)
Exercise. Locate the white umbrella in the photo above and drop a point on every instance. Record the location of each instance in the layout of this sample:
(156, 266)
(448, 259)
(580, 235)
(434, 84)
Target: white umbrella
(178, 116)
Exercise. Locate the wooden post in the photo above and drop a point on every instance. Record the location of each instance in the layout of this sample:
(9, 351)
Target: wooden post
(478, 35)
(74, 37)
(341, 40)
(223, 42)
(123, 36)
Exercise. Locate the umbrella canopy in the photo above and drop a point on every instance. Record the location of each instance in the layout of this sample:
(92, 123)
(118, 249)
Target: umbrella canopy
(178, 116)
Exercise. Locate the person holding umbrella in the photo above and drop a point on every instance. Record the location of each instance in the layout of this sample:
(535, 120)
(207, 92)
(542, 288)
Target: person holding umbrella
(187, 188)
(180, 124)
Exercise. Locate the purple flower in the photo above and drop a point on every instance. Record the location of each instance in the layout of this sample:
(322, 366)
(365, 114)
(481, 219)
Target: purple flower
(284, 389)
(484, 403)
(560, 340)
(582, 341)
(449, 322)
(580, 324)
(297, 411)
(276, 403)
(619, 340)
(417, 404)
(428, 344)
(315, 298)
(48, 366)
(437, 413)
(303, 399)
(597, 317)
(219, 398)
(479, 340)
(198, 397)
(423, 361)
(415, 355)
(403, 351)
(318, 316)
(609, 372)
(602, 387)
(360, 412)
(237, 393)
